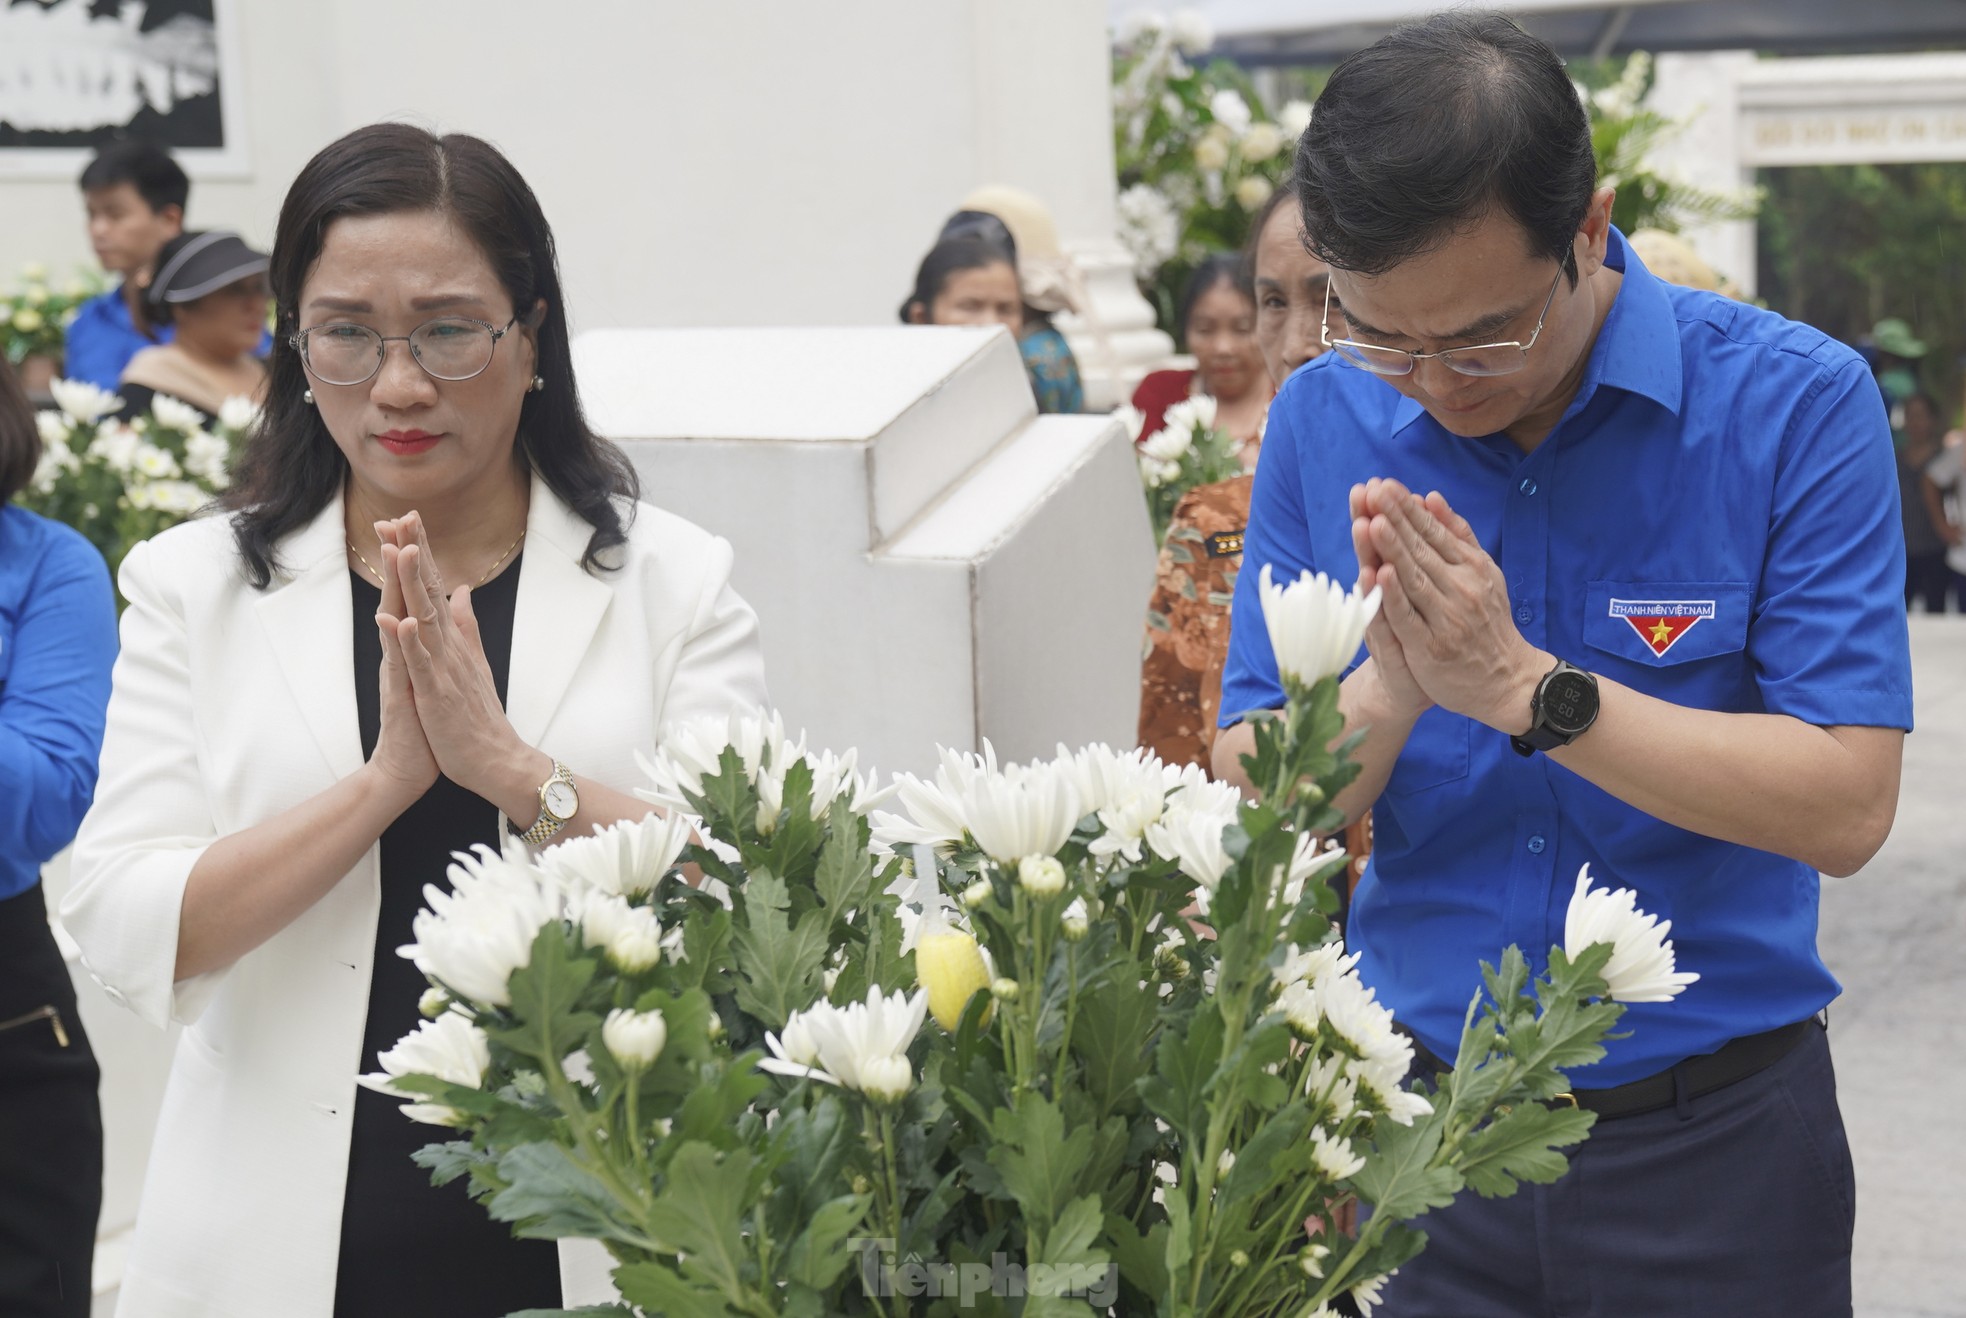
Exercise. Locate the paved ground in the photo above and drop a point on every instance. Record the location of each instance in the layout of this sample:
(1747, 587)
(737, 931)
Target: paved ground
(1894, 935)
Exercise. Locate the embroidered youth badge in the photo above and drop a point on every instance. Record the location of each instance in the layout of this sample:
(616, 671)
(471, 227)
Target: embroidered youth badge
(1660, 623)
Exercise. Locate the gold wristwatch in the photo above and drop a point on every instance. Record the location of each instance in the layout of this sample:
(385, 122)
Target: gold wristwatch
(559, 801)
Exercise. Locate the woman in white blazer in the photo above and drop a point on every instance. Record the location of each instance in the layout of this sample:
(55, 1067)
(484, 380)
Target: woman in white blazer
(281, 774)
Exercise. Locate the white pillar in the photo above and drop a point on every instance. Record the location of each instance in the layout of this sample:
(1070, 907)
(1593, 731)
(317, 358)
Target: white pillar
(1044, 115)
(1703, 92)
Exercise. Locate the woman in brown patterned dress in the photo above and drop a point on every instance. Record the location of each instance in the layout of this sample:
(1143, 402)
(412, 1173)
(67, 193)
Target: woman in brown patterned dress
(1188, 616)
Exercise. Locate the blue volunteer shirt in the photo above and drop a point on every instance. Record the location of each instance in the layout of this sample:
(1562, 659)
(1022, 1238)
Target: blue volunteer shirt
(102, 338)
(57, 644)
(1714, 522)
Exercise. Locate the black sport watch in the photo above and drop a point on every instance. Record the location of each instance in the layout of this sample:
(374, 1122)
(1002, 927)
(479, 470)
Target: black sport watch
(1562, 710)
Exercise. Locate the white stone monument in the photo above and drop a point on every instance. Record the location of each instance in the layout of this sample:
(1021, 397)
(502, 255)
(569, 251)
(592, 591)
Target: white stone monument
(931, 560)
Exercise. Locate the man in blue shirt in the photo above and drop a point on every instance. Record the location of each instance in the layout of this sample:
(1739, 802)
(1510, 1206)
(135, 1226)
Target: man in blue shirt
(135, 194)
(1642, 610)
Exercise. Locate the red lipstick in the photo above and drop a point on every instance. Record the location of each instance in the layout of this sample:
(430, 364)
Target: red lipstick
(405, 442)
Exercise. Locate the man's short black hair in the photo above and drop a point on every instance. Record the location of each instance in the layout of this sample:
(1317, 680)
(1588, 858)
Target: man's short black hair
(1433, 127)
(143, 165)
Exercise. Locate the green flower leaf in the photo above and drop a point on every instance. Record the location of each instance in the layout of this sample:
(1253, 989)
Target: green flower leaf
(779, 961)
(549, 1196)
(1522, 1145)
(1400, 1178)
(544, 996)
(1039, 1162)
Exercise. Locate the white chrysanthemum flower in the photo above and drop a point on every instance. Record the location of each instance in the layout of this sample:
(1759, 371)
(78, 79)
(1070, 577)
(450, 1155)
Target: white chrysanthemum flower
(1294, 118)
(1126, 790)
(83, 402)
(1191, 32)
(1193, 839)
(1230, 110)
(636, 1038)
(1260, 142)
(1330, 1080)
(935, 812)
(1041, 876)
(472, 938)
(862, 1046)
(1028, 810)
(238, 414)
(449, 1048)
(688, 752)
(176, 414)
(1641, 968)
(179, 498)
(116, 446)
(1212, 154)
(1253, 191)
(1072, 921)
(1367, 1294)
(53, 428)
(1307, 858)
(1334, 1155)
(1299, 1006)
(627, 858)
(153, 463)
(630, 936)
(1304, 965)
(1315, 626)
(206, 456)
(1149, 226)
(1169, 444)
(1131, 418)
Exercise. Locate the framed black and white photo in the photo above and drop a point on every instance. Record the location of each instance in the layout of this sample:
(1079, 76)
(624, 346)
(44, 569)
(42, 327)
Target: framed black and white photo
(75, 74)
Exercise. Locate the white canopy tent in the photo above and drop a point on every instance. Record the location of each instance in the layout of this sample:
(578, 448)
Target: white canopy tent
(1271, 32)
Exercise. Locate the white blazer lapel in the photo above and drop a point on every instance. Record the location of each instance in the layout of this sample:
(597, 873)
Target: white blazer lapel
(559, 608)
(309, 623)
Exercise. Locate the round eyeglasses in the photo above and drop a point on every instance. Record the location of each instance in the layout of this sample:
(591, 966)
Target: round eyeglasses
(1477, 359)
(448, 348)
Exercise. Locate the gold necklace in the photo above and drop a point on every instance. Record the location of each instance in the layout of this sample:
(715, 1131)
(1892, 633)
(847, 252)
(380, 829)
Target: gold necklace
(496, 564)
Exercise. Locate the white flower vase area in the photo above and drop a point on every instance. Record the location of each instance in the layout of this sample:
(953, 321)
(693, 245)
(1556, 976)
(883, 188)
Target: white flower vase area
(1068, 1036)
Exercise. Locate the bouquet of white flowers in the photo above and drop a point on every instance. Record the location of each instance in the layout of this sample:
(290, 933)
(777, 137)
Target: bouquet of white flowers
(122, 480)
(1187, 451)
(1197, 153)
(982, 1048)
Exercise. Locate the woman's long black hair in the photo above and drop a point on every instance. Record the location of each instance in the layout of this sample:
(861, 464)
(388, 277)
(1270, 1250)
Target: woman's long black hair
(291, 468)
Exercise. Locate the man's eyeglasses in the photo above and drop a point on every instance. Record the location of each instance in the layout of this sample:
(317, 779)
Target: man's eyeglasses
(1478, 359)
(449, 348)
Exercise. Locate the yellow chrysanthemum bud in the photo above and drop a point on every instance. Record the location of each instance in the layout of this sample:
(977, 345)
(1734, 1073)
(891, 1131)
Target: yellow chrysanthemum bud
(1004, 990)
(950, 966)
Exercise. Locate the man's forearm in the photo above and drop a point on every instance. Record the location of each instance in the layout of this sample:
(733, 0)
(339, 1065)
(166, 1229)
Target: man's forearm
(1824, 796)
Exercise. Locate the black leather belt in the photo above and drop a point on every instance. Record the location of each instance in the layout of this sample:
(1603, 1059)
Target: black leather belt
(1732, 1063)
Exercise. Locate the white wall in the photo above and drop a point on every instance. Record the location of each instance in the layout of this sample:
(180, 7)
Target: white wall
(767, 162)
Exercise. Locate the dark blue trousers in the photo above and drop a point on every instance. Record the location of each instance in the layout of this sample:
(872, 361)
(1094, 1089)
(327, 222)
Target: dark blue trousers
(1734, 1205)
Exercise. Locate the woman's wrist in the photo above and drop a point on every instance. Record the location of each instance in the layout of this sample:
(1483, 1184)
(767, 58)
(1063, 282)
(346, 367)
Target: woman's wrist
(512, 782)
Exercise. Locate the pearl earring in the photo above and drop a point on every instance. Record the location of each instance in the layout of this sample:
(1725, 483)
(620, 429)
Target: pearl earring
(308, 396)
(538, 384)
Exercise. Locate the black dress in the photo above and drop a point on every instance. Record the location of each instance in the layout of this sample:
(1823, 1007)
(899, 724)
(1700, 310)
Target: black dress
(408, 1248)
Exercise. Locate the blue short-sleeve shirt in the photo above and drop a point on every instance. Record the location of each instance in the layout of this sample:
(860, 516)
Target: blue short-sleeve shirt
(57, 645)
(102, 338)
(1713, 522)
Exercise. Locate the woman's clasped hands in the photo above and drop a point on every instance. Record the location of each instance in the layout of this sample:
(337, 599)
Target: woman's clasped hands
(440, 706)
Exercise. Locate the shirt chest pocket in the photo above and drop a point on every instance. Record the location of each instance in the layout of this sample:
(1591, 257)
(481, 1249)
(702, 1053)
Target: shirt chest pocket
(1665, 624)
